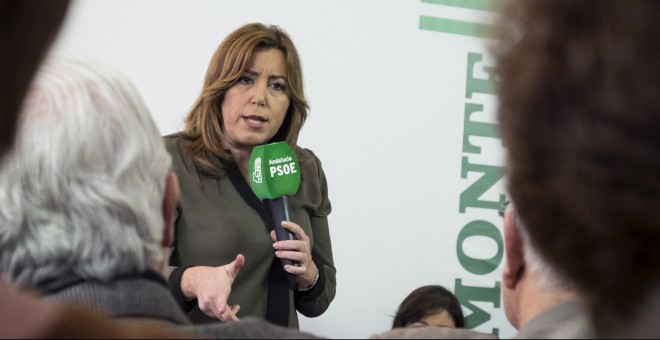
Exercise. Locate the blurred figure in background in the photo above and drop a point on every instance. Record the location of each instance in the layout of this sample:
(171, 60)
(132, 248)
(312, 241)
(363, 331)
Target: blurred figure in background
(579, 112)
(430, 305)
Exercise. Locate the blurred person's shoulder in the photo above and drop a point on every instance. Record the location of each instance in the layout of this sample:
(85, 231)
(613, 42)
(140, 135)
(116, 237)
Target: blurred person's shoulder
(432, 333)
(249, 328)
(80, 323)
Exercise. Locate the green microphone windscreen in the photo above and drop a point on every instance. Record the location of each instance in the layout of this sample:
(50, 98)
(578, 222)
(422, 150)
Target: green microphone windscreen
(273, 171)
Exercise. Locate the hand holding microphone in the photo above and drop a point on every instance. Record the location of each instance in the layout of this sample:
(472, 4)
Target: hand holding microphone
(274, 174)
(300, 251)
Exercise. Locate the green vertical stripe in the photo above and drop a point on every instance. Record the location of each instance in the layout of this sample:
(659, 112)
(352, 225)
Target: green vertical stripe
(482, 5)
(456, 27)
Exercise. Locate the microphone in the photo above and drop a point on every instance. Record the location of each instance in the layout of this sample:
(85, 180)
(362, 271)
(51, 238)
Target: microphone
(274, 174)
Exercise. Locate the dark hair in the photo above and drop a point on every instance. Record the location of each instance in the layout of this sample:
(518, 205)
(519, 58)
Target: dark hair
(428, 300)
(579, 109)
(23, 46)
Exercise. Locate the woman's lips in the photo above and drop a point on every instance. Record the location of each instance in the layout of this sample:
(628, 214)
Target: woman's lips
(255, 122)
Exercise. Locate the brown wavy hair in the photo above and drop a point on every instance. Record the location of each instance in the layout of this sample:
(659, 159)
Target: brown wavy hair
(579, 110)
(204, 132)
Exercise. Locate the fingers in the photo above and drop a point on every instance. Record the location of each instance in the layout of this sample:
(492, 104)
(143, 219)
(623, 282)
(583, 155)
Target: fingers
(230, 314)
(229, 274)
(301, 238)
(298, 250)
(226, 313)
(294, 255)
(233, 267)
(214, 309)
(214, 288)
(295, 229)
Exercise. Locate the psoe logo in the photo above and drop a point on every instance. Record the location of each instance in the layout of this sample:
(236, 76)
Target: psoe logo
(256, 174)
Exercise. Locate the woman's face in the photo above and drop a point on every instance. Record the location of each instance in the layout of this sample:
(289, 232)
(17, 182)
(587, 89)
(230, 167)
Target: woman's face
(442, 319)
(254, 107)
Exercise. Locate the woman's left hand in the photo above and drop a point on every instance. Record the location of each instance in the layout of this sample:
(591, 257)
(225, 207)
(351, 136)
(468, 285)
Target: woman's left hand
(298, 250)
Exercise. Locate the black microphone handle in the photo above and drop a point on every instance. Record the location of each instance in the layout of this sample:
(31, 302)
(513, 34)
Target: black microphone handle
(279, 209)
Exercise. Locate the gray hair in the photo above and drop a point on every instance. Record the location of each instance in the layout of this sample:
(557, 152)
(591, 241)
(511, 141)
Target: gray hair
(547, 276)
(82, 190)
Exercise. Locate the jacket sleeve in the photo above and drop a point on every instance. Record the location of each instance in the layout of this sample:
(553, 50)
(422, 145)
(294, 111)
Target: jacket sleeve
(176, 272)
(316, 301)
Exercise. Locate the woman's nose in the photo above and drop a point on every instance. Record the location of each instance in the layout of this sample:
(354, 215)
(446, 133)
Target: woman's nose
(259, 94)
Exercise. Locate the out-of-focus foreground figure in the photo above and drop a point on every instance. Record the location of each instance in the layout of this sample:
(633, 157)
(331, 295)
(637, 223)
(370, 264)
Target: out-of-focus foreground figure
(580, 116)
(27, 31)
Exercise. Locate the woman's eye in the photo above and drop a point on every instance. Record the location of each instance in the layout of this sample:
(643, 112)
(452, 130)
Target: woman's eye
(245, 80)
(278, 86)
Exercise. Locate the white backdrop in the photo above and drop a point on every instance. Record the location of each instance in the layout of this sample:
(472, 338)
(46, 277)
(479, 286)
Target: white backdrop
(388, 101)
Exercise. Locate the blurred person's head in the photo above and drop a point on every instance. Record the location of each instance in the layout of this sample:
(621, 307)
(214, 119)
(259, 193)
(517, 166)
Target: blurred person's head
(431, 305)
(580, 116)
(87, 190)
(27, 29)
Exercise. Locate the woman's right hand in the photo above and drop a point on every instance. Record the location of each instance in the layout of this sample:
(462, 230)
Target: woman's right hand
(211, 287)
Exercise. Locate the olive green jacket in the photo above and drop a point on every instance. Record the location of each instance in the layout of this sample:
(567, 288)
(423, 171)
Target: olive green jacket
(215, 222)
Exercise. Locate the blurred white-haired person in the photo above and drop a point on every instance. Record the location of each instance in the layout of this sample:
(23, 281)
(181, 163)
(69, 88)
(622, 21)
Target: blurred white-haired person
(537, 301)
(89, 199)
